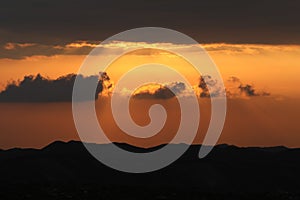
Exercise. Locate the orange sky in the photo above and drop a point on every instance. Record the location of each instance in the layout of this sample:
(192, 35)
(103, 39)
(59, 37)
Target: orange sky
(257, 121)
(271, 67)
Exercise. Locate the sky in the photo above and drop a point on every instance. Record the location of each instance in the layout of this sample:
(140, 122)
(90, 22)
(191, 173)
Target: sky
(256, 43)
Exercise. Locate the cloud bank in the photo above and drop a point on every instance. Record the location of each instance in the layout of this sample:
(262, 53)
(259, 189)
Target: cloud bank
(41, 89)
(234, 89)
(234, 21)
(19, 51)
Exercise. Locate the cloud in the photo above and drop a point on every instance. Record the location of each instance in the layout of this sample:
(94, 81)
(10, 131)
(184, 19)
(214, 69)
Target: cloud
(234, 88)
(41, 89)
(11, 46)
(24, 50)
(204, 82)
(238, 89)
(235, 21)
(155, 91)
(250, 49)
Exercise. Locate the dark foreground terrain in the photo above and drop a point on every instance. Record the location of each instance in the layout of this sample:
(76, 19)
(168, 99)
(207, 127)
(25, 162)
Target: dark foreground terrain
(68, 171)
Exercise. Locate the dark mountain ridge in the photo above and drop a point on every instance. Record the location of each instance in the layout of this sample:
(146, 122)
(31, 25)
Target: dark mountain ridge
(227, 170)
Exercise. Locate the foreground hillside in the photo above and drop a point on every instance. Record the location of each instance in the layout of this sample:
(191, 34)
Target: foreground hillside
(67, 171)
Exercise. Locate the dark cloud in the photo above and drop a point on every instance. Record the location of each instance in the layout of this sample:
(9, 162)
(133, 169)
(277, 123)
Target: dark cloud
(59, 22)
(163, 92)
(204, 82)
(209, 88)
(243, 89)
(23, 50)
(41, 89)
(203, 86)
(235, 88)
(248, 90)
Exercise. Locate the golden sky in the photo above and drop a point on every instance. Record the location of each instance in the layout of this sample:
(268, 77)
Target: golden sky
(257, 42)
(271, 67)
(257, 121)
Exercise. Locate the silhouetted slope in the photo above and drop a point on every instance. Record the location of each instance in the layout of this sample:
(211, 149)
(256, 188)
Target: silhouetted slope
(228, 171)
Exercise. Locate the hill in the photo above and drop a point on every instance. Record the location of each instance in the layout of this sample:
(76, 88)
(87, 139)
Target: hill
(66, 170)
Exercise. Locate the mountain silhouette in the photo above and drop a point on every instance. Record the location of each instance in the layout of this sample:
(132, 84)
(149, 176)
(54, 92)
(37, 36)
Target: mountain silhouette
(65, 170)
